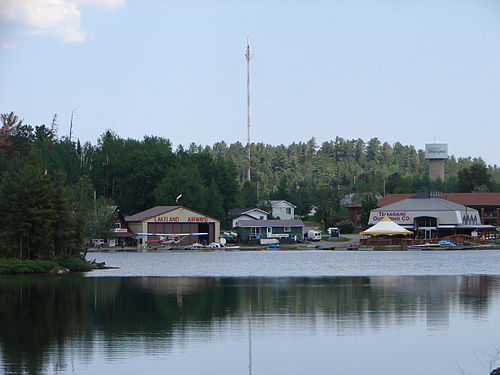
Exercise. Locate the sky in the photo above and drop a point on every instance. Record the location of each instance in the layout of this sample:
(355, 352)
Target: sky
(399, 70)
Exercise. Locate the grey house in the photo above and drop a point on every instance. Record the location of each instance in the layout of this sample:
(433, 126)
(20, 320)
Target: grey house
(290, 230)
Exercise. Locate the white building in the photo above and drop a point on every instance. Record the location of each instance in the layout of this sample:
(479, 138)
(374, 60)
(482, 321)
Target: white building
(240, 214)
(429, 216)
(283, 210)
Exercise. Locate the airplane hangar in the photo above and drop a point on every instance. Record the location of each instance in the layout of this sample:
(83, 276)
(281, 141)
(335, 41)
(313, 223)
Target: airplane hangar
(177, 220)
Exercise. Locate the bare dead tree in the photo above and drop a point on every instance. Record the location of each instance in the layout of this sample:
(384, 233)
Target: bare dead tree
(10, 120)
(10, 123)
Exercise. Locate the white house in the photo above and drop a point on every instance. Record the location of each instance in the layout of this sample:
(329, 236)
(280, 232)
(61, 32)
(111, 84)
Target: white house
(283, 210)
(239, 214)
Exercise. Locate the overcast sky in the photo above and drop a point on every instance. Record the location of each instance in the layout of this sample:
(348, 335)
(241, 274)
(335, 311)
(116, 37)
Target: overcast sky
(399, 70)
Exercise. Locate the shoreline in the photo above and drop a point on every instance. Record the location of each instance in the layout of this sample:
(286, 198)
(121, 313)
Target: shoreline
(301, 247)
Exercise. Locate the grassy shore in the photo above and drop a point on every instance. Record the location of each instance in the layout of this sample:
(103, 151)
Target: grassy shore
(335, 239)
(54, 265)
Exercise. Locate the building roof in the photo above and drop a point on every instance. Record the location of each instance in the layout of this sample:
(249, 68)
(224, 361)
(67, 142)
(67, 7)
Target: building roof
(243, 215)
(240, 211)
(466, 199)
(424, 204)
(151, 212)
(276, 202)
(392, 198)
(474, 199)
(270, 223)
(356, 205)
(384, 201)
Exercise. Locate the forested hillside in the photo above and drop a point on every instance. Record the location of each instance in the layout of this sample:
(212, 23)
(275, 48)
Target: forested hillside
(138, 174)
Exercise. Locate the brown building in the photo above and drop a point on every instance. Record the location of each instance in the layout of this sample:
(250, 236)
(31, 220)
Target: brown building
(174, 220)
(488, 205)
(123, 236)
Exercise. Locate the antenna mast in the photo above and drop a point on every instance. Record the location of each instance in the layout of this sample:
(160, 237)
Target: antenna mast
(248, 57)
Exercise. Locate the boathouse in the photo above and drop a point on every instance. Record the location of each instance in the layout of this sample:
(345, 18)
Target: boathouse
(177, 220)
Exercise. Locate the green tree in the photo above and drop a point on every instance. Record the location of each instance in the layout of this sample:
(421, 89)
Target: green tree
(28, 215)
(101, 219)
(37, 220)
(328, 207)
(68, 225)
(369, 203)
(474, 178)
(214, 202)
(185, 181)
(302, 197)
(248, 197)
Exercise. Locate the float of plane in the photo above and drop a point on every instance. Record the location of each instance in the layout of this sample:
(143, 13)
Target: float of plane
(167, 238)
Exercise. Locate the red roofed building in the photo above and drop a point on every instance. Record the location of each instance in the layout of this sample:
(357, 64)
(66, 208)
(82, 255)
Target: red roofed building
(392, 198)
(354, 210)
(488, 205)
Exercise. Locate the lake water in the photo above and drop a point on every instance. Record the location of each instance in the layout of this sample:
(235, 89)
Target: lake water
(319, 312)
(311, 263)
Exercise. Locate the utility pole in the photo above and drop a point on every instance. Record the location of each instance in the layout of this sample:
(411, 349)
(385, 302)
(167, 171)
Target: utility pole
(71, 125)
(258, 199)
(106, 178)
(248, 57)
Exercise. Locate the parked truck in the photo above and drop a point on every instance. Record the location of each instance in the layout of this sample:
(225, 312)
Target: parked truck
(313, 235)
(334, 231)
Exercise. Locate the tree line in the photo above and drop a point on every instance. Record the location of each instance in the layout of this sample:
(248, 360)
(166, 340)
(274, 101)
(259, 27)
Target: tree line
(44, 175)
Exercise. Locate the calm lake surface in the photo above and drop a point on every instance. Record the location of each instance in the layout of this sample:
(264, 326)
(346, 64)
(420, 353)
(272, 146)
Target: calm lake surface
(318, 312)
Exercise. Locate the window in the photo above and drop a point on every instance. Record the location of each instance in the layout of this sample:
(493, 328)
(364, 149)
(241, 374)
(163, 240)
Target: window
(288, 210)
(118, 225)
(261, 217)
(426, 222)
(254, 232)
(269, 230)
(287, 229)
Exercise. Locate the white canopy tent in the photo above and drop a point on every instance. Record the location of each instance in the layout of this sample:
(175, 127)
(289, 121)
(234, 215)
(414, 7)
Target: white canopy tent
(386, 227)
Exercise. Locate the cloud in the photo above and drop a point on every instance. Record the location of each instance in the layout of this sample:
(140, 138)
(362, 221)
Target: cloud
(60, 18)
(103, 4)
(9, 45)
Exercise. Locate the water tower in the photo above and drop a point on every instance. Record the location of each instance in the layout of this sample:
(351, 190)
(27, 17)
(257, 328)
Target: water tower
(436, 153)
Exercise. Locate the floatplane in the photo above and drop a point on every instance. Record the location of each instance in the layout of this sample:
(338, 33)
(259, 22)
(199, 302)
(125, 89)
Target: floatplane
(166, 239)
(169, 240)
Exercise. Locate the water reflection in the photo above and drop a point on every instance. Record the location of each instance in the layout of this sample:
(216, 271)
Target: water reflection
(52, 324)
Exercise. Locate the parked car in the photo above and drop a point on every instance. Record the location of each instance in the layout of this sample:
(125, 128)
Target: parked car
(334, 231)
(98, 242)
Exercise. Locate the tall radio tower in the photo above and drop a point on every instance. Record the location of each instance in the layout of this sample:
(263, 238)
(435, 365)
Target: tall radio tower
(248, 57)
